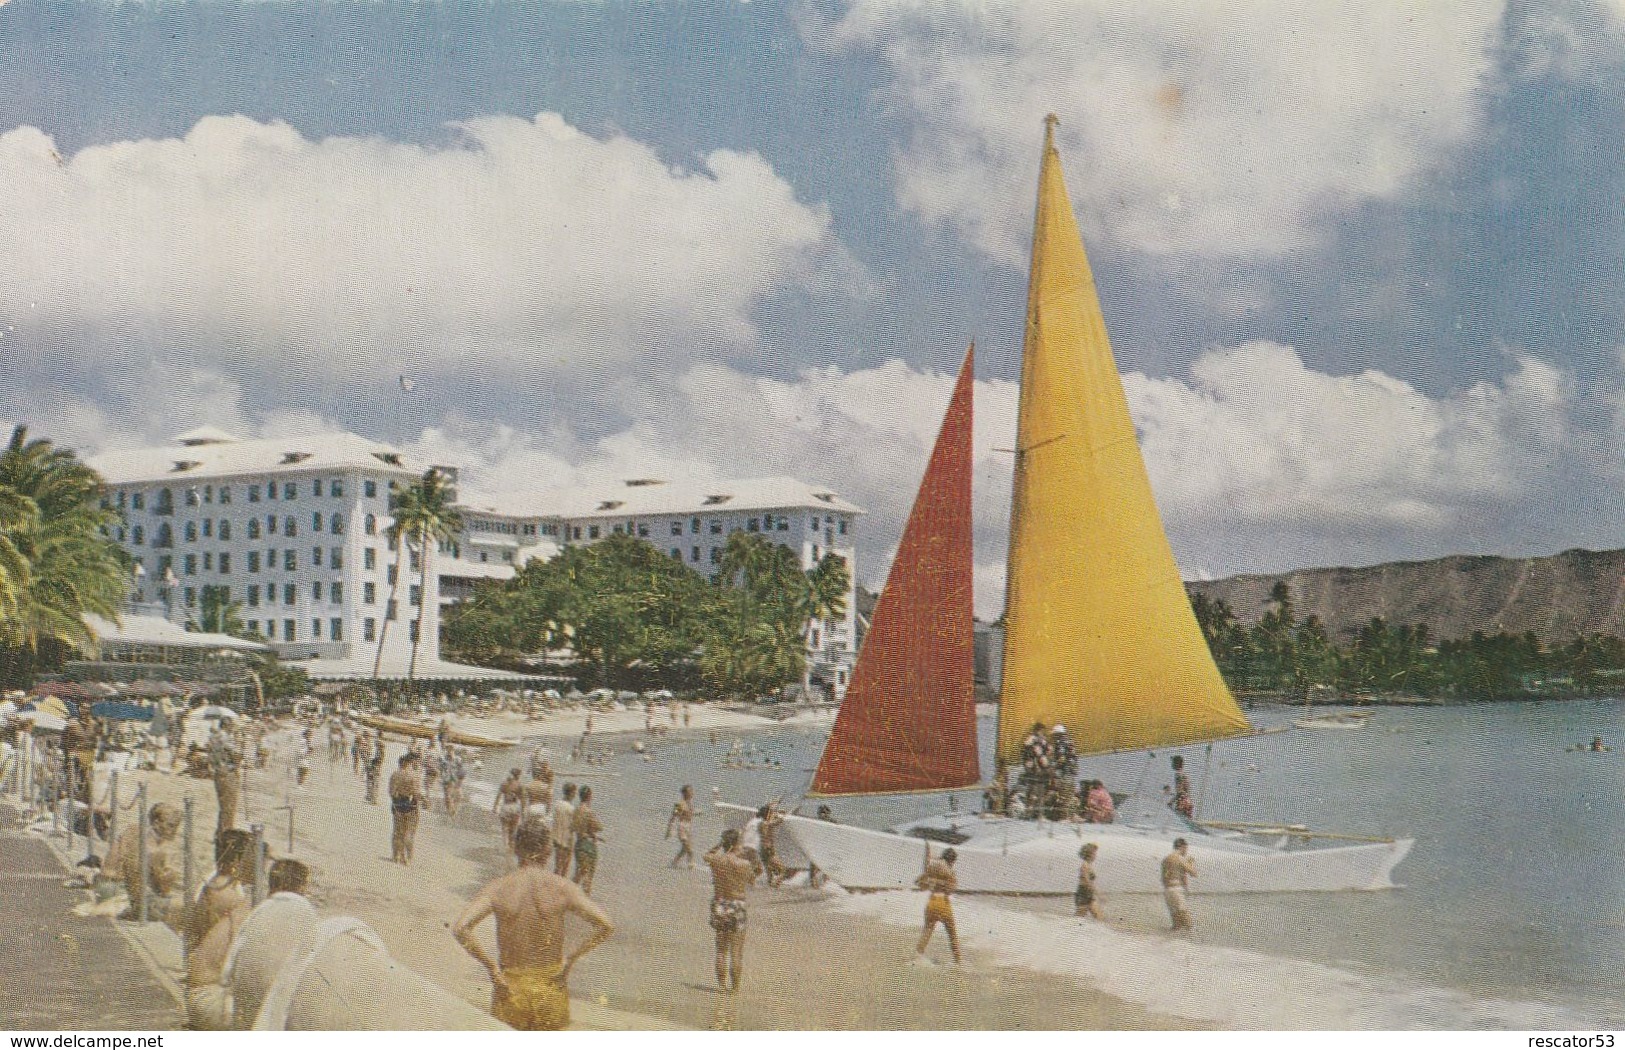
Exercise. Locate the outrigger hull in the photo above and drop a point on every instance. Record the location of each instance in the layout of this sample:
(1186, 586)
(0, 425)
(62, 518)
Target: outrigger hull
(1000, 855)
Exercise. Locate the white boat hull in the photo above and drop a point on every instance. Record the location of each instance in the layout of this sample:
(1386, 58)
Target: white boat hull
(1006, 856)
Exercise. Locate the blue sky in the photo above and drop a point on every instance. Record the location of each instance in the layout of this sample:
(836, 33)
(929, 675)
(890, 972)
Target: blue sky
(1361, 263)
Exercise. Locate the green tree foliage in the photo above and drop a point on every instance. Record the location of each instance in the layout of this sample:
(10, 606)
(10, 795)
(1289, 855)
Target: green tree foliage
(1282, 655)
(218, 614)
(423, 516)
(632, 616)
(57, 562)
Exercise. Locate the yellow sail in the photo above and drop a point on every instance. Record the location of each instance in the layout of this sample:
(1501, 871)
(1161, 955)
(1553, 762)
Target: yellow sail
(1099, 634)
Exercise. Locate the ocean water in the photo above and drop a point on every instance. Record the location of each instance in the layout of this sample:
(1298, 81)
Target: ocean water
(1512, 911)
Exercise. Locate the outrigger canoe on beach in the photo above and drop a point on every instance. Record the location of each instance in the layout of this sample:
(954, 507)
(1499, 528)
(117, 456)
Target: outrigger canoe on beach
(420, 730)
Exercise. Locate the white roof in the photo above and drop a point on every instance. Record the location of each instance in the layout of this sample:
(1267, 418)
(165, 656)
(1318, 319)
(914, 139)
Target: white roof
(214, 458)
(644, 498)
(360, 667)
(205, 435)
(155, 630)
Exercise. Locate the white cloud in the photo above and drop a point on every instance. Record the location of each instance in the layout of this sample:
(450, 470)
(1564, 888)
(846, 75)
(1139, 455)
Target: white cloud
(520, 247)
(1187, 129)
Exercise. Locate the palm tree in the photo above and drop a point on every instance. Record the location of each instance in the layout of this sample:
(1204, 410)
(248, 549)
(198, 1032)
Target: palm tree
(425, 512)
(824, 598)
(56, 560)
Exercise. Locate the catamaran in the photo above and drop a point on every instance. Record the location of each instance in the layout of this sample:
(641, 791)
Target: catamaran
(1099, 636)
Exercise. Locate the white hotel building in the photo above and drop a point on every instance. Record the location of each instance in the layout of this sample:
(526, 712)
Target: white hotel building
(291, 530)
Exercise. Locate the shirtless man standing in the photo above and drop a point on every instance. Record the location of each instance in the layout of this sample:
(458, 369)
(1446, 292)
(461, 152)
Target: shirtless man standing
(940, 880)
(1177, 871)
(682, 818)
(529, 984)
(539, 792)
(405, 799)
(733, 869)
(588, 830)
(509, 805)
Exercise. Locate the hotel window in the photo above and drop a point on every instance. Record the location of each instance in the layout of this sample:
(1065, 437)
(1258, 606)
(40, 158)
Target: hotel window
(253, 561)
(139, 501)
(814, 525)
(336, 525)
(369, 630)
(592, 532)
(208, 493)
(253, 493)
(208, 561)
(369, 593)
(225, 529)
(287, 630)
(139, 535)
(191, 596)
(414, 595)
(190, 532)
(412, 629)
(676, 528)
(316, 522)
(191, 497)
(716, 528)
(253, 528)
(716, 555)
(370, 490)
(783, 525)
(270, 630)
(843, 527)
(369, 558)
(290, 491)
(693, 554)
(316, 591)
(121, 497)
(225, 563)
(270, 490)
(165, 563)
(335, 592)
(643, 531)
(391, 574)
(315, 628)
(270, 524)
(253, 596)
(617, 530)
(289, 526)
(335, 489)
(253, 627)
(751, 525)
(370, 525)
(389, 610)
(225, 495)
(290, 560)
(316, 487)
(270, 560)
(120, 532)
(414, 558)
(316, 557)
(336, 629)
(289, 594)
(208, 528)
(694, 526)
(677, 553)
(191, 565)
(575, 532)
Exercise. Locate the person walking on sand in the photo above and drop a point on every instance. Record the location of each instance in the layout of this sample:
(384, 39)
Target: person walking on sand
(1086, 900)
(733, 869)
(1177, 870)
(405, 800)
(940, 882)
(682, 819)
(530, 976)
(588, 829)
(509, 805)
(564, 840)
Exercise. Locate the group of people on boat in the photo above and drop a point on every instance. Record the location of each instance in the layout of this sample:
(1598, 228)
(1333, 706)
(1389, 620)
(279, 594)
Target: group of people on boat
(1045, 788)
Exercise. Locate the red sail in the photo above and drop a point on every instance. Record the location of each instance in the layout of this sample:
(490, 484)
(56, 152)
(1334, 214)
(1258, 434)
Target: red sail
(908, 722)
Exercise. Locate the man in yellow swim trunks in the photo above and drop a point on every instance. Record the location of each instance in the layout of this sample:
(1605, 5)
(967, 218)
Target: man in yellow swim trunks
(939, 879)
(530, 990)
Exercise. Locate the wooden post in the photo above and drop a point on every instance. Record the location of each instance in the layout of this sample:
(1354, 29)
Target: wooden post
(258, 831)
(142, 823)
(112, 810)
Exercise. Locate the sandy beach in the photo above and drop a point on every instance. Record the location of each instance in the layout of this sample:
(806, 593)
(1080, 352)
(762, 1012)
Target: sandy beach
(809, 965)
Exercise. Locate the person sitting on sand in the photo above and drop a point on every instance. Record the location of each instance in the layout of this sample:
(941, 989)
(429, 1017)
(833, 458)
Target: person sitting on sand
(682, 819)
(509, 805)
(530, 976)
(1098, 807)
(1086, 901)
(733, 869)
(940, 881)
(163, 863)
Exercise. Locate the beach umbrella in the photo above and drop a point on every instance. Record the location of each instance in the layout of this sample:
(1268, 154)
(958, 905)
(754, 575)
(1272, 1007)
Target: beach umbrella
(52, 705)
(121, 711)
(43, 721)
(216, 713)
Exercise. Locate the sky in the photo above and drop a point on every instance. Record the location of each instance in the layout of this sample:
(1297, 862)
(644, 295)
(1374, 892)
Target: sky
(1361, 260)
